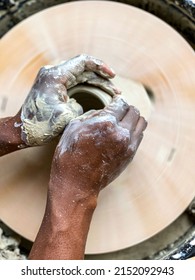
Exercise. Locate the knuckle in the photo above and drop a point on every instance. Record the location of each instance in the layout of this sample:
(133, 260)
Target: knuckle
(122, 137)
(42, 71)
(82, 57)
(45, 69)
(119, 104)
(132, 149)
(106, 128)
(135, 110)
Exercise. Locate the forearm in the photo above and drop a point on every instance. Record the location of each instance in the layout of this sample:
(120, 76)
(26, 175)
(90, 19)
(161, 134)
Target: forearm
(65, 225)
(10, 135)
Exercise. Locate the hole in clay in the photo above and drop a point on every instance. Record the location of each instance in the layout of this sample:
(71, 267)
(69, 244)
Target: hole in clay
(150, 93)
(88, 101)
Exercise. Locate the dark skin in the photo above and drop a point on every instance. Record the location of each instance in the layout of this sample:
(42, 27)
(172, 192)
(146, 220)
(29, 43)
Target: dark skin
(92, 152)
(10, 138)
(51, 85)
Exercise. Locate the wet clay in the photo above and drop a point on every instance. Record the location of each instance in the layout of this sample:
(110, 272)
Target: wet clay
(48, 109)
(45, 116)
(50, 121)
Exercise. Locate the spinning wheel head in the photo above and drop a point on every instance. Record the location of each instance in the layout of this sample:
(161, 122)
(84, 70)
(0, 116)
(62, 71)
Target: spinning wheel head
(159, 184)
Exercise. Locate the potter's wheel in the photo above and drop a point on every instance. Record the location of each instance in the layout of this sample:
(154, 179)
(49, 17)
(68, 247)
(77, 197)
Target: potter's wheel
(159, 184)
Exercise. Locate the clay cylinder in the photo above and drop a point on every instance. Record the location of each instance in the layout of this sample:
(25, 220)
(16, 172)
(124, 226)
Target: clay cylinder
(90, 97)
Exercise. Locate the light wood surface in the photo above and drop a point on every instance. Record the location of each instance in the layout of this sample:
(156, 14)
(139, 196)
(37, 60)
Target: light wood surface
(160, 183)
(192, 259)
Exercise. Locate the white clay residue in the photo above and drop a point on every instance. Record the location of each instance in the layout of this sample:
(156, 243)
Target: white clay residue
(16, 124)
(48, 109)
(44, 117)
(91, 118)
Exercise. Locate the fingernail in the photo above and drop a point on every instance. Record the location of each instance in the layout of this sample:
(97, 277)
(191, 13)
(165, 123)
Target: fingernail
(112, 70)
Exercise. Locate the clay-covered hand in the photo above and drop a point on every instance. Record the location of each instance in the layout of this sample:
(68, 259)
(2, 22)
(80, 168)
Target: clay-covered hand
(94, 149)
(48, 109)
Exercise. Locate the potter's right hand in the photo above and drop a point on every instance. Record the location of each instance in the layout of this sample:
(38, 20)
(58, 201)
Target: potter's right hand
(47, 108)
(95, 149)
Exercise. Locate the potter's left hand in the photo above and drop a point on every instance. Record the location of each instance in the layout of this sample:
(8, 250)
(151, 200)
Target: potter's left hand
(48, 109)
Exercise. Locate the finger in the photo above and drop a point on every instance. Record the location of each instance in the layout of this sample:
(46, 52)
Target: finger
(68, 72)
(97, 66)
(118, 108)
(140, 127)
(104, 84)
(87, 115)
(135, 142)
(130, 119)
(137, 134)
(98, 81)
(77, 65)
